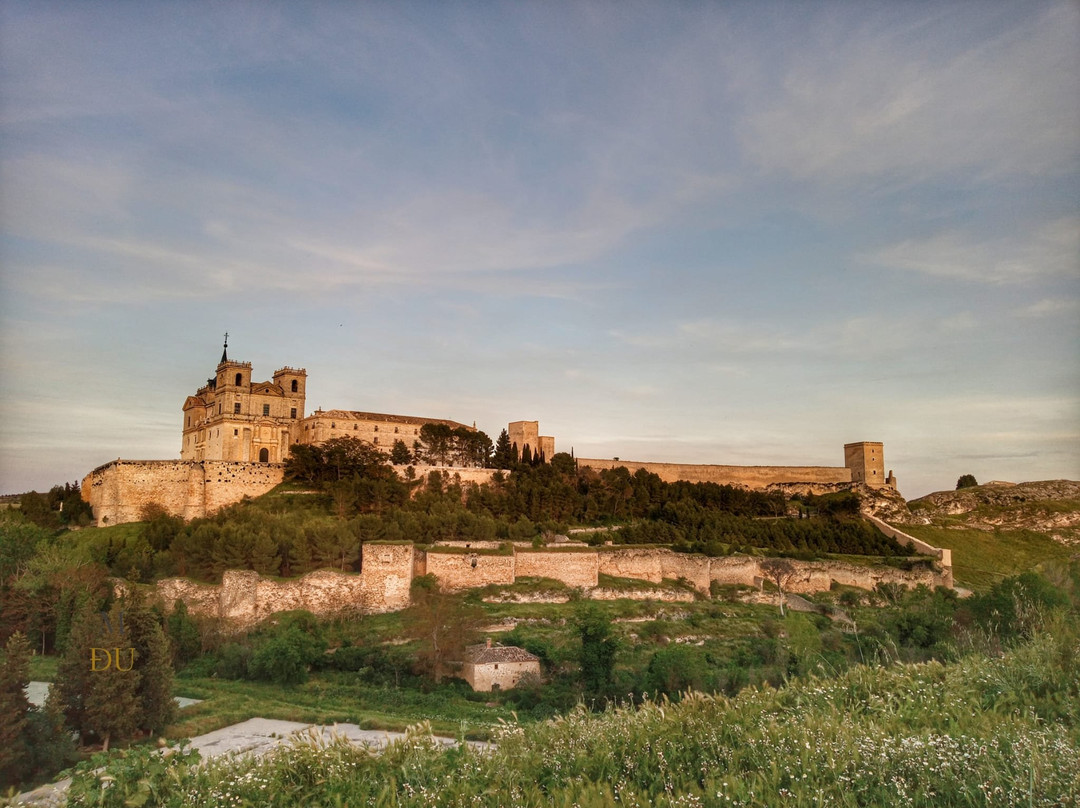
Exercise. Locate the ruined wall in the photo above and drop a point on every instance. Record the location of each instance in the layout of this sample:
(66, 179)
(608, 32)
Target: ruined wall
(572, 567)
(749, 476)
(386, 575)
(631, 562)
(457, 571)
(119, 491)
(388, 569)
(942, 554)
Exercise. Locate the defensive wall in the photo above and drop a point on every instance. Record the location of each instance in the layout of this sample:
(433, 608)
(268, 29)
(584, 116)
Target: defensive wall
(120, 491)
(749, 476)
(388, 569)
(192, 489)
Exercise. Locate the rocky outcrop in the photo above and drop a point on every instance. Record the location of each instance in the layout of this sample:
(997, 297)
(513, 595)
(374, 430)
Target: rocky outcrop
(1049, 506)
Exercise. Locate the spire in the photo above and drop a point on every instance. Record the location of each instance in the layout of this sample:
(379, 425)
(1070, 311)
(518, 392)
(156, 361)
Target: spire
(225, 350)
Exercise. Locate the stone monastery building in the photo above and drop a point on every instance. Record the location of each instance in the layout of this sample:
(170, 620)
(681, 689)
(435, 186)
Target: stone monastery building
(232, 418)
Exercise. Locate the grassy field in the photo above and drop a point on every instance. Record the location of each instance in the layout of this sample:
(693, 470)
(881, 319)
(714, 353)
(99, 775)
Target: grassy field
(981, 558)
(986, 731)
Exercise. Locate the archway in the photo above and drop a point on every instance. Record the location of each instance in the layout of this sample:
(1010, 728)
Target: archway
(264, 455)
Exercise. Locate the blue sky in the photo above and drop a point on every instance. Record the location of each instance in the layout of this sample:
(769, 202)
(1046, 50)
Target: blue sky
(707, 232)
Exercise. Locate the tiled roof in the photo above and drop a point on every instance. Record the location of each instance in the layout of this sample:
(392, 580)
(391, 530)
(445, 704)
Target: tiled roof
(386, 417)
(482, 655)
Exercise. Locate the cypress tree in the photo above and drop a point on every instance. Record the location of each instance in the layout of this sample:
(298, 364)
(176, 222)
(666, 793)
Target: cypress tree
(15, 753)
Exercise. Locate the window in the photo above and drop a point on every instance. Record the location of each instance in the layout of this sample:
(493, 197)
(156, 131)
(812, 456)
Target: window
(395, 430)
(294, 385)
(239, 379)
(266, 409)
(219, 409)
(496, 666)
(236, 408)
(376, 441)
(333, 425)
(235, 432)
(376, 427)
(189, 420)
(355, 427)
(292, 412)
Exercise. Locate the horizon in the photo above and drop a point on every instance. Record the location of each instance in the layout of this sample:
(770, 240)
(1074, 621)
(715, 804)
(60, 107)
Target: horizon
(739, 234)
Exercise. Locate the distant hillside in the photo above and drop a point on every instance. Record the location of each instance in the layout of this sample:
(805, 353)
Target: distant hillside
(1051, 507)
(998, 529)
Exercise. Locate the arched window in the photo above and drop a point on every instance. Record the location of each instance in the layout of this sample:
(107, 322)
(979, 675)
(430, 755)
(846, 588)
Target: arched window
(294, 385)
(239, 379)
(264, 455)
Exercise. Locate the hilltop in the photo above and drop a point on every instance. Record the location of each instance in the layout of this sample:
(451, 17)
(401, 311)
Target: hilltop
(1051, 507)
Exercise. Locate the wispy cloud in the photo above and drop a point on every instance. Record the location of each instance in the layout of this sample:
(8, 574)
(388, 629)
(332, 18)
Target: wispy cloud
(1052, 250)
(1051, 307)
(905, 103)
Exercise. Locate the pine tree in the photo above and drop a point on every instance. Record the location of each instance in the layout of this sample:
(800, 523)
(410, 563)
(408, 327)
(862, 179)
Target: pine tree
(15, 752)
(153, 665)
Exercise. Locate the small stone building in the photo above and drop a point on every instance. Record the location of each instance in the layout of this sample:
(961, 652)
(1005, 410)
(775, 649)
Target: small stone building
(499, 667)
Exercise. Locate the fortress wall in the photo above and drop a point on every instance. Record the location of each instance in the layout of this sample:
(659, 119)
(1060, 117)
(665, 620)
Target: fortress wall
(629, 562)
(749, 476)
(464, 475)
(572, 567)
(386, 576)
(225, 483)
(119, 491)
(944, 556)
(245, 598)
(692, 568)
(201, 600)
(458, 571)
(735, 570)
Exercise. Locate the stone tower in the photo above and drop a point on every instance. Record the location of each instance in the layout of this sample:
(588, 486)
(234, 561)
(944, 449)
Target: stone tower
(866, 459)
(233, 418)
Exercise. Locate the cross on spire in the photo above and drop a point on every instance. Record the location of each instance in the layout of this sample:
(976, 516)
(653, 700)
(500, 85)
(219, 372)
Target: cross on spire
(225, 350)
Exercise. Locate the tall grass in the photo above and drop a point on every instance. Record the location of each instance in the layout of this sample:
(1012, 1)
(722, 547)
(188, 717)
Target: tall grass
(984, 731)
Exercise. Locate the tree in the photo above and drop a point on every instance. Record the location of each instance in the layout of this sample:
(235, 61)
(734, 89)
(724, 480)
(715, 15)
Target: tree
(504, 456)
(96, 699)
(15, 753)
(183, 633)
(400, 454)
(443, 624)
(781, 572)
(598, 649)
(966, 481)
(153, 663)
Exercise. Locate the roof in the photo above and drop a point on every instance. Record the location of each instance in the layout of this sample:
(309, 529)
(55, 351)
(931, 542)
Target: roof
(378, 416)
(483, 655)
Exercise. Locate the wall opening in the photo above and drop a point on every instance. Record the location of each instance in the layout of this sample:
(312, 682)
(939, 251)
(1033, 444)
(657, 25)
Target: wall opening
(264, 455)
(239, 379)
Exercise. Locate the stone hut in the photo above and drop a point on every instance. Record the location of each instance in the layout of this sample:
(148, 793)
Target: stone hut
(500, 667)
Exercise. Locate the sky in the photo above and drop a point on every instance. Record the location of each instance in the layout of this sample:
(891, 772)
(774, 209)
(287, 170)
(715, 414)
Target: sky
(739, 232)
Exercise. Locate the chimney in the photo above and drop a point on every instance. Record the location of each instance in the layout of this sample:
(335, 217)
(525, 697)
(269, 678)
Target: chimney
(489, 642)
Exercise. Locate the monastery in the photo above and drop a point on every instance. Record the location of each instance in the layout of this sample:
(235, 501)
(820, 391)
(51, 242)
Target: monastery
(236, 434)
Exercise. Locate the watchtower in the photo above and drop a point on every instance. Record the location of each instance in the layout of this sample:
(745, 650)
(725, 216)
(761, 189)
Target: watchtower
(866, 459)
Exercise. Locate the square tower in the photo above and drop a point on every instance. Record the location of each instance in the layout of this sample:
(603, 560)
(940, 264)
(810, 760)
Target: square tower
(866, 459)
(522, 434)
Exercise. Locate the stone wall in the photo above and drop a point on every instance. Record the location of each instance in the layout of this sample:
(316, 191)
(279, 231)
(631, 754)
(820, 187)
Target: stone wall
(572, 567)
(388, 569)
(119, 491)
(467, 570)
(749, 476)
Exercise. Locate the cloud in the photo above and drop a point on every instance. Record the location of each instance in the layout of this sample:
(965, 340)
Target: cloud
(1051, 307)
(908, 102)
(1050, 251)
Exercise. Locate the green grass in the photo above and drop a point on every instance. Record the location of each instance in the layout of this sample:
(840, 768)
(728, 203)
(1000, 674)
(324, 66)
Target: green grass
(43, 668)
(981, 558)
(332, 697)
(985, 731)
